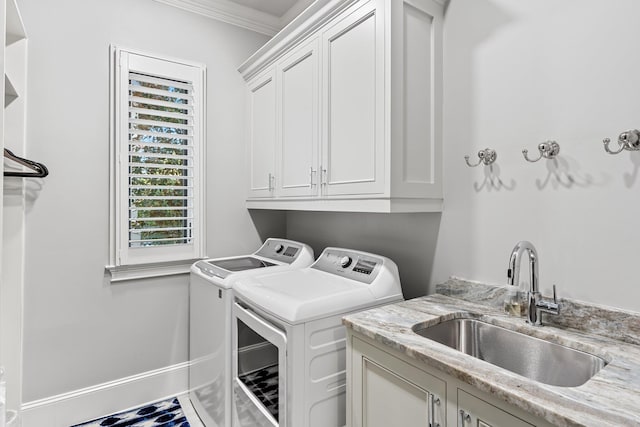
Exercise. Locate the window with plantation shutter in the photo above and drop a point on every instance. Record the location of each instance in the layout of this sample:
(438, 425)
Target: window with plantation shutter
(160, 161)
(157, 191)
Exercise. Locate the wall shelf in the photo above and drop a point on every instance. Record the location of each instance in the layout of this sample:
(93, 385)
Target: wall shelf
(14, 30)
(14, 54)
(10, 93)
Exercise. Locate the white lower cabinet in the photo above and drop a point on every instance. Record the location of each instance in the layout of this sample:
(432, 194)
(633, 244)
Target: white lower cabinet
(389, 392)
(385, 388)
(475, 412)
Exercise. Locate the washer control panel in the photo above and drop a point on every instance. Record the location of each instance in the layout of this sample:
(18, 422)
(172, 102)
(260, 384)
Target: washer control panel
(355, 265)
(280, 250)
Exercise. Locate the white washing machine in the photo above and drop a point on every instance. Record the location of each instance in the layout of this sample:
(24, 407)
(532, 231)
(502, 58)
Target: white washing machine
(289, 345)
(210, 303)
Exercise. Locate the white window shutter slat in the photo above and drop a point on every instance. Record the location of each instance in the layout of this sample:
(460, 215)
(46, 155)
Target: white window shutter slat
(157, 106)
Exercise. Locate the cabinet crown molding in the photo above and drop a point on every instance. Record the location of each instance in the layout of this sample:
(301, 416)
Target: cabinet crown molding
(304, 25)
(301, 27)
(231, 13)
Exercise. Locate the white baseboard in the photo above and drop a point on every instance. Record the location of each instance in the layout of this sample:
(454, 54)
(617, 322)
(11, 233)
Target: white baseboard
(71, 408)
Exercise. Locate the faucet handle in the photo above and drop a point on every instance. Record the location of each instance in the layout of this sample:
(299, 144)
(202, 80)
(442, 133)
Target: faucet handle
(548, 306)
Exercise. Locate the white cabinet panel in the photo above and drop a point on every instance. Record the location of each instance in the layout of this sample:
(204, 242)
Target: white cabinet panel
(386, 391)
(354, 121)
(416, 98)
(298, 153)
(388, 399)
(475, 412)
(418, 121)
(262, 138)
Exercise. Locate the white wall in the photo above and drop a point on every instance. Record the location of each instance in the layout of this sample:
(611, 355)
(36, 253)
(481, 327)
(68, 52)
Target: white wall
(79, 330)
(518, 73)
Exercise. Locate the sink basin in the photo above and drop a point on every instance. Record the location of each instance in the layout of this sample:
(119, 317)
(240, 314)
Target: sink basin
(531, 357)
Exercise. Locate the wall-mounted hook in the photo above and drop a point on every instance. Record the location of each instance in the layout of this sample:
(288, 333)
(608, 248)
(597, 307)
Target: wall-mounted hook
(547, 149)
(629, 140)
(486, 156)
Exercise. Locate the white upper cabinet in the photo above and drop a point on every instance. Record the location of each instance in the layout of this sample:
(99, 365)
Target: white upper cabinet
(262, 134)
(297, 160)
(353, 141)
(415, 60)
(349, 98)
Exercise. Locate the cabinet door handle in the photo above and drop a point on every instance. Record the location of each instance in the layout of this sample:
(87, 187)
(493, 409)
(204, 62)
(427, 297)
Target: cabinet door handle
(324, 176)
(464, 418)
(271, 181)
(312, 171)
(432, 413)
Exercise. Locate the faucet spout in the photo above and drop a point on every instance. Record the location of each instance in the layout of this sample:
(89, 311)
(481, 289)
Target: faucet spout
(535, 304)
(513, 273)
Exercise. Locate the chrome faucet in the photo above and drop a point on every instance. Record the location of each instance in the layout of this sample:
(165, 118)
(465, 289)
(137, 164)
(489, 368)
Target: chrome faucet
(535, 304)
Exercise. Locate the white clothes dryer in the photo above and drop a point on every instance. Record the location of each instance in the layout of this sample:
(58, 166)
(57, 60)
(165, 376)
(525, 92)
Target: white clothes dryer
(289, 344)
(210, 300)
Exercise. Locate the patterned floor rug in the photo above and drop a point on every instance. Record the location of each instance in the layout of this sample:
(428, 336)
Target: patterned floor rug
(167, 413)
(263, 383)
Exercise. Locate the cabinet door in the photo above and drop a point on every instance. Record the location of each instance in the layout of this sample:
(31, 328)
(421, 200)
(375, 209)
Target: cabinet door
(353, 103)
(386, 391)
(262, 135)
(475, 412)
(297, 158)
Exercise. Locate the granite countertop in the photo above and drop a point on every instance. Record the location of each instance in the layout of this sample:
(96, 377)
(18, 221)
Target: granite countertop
(610, 398)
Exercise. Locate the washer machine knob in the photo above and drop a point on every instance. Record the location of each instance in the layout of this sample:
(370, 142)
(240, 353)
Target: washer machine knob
(345, 261)
(278, 248)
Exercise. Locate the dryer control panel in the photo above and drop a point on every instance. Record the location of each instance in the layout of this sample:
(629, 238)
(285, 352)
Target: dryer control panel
(355, 265)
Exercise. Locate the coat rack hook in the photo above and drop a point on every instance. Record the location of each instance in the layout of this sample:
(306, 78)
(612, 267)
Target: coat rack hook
(547, 149)
(628, 140)
(486, 156)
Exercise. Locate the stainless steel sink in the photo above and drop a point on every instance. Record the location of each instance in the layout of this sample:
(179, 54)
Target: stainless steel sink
(534, 358)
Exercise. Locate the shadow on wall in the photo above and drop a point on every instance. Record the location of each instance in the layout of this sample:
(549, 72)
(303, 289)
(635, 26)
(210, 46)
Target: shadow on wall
(269, 223)
(408, 239)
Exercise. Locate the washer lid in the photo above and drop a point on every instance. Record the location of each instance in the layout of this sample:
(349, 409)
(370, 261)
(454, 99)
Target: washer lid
(240, 264)
(297, 296)
(223, 267)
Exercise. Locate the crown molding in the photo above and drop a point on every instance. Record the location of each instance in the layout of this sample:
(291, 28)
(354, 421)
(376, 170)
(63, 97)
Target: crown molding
(305, 24)
(286, 27)
(231, 13)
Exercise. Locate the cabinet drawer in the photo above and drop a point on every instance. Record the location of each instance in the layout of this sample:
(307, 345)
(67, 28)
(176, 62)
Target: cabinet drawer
(475, 412)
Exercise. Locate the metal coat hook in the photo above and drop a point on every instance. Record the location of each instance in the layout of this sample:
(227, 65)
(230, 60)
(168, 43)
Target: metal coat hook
(547, 149)
(629, 140)
(486, 156)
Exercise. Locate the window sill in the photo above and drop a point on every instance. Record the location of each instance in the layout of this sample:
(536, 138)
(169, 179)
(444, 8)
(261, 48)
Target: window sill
(123, 273)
